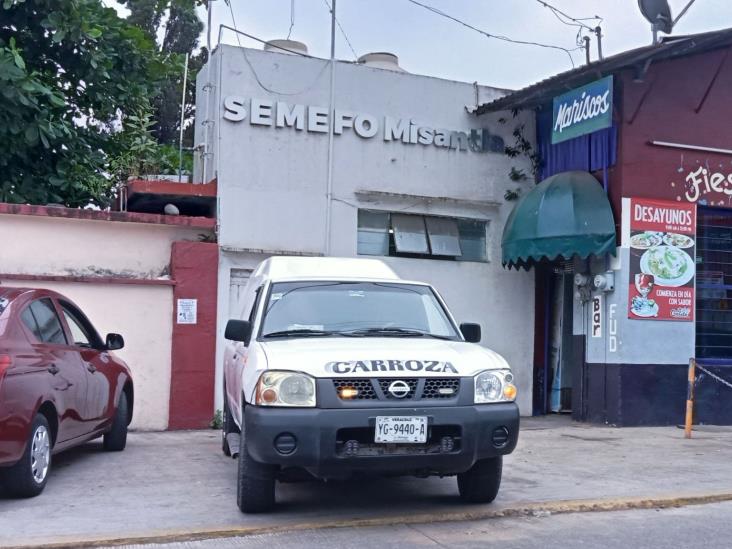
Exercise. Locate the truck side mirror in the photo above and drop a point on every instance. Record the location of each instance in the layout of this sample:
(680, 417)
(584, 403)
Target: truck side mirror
(238, 330)
(114, 342)
(470, 331)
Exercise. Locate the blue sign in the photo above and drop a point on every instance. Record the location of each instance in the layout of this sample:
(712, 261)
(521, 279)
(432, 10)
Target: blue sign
(583, 110)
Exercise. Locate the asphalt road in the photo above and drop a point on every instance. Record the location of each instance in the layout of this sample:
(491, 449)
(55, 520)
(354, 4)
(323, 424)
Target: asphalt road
(699, 526)
(169, 486)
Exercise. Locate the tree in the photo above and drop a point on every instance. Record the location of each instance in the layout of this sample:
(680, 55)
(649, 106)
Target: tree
(182, 31)
(71, 71)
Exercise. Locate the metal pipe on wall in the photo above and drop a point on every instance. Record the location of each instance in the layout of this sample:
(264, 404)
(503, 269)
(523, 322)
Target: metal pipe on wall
(329, 182)
(207, 89)
(182, 120)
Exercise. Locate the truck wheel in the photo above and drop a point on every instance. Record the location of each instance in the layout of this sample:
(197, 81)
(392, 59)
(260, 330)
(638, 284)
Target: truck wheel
(116, 439)
(227, 426)
(28, 477)
(481, 482)
(255, 490)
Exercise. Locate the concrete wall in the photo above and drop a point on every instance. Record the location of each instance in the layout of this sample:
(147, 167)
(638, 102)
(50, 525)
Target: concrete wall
(141, 314)
(272, 183)
(118, 273)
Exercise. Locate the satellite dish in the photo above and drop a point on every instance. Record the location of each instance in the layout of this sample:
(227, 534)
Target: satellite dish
(658, 13)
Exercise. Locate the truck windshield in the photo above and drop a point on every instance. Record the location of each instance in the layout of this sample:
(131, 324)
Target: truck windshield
(354, 309)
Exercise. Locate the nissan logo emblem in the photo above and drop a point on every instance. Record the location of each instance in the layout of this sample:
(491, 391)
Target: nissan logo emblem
(399, 389)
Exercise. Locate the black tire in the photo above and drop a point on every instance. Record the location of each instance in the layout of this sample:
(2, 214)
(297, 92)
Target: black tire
(481, 482)
(21, 480)
(228, 425)
(115, 439)
(255, 487)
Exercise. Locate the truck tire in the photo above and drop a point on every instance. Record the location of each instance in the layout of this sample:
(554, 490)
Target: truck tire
(28, 477)
(255, 487)
(481, 482)
(115, 439)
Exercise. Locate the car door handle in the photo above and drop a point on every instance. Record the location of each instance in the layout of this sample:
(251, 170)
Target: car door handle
(91, 368)
(53, 369)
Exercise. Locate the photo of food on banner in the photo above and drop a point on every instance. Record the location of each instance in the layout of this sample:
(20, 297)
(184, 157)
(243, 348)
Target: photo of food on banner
(662, 260)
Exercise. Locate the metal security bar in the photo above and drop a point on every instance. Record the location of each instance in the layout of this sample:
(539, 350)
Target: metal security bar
(714, 284)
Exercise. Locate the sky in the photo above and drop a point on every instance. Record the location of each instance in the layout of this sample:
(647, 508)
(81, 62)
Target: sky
(430, 44)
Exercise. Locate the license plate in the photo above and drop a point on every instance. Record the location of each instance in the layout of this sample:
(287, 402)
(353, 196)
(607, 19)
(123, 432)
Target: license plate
(396, 429)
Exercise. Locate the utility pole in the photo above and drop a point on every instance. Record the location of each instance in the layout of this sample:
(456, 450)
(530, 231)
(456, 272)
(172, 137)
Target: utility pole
(329, 183)
(598, 33)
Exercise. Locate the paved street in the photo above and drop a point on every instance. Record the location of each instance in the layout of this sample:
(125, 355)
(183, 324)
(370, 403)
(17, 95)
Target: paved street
(179, 484)
(695, 527)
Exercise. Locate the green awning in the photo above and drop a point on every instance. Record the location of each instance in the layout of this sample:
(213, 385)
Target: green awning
(565, 215)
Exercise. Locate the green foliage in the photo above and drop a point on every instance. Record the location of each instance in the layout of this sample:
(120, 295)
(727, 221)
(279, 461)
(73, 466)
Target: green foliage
(70, 71)
(180, 36)
(217, 422)
(521, 147)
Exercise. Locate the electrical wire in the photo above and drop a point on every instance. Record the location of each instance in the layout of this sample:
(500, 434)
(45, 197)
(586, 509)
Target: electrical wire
(251, 67)
(496, 36)
(576, 21)
(343, 32)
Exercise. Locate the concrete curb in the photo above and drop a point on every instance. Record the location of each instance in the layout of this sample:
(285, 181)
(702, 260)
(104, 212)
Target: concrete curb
(518, 510)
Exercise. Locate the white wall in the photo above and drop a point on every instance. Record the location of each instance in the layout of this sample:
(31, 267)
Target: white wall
(142, 313)
(272, 182)
(82, 247)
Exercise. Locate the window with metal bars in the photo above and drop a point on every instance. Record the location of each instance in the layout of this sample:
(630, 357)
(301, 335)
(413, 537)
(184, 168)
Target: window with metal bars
(714, 284)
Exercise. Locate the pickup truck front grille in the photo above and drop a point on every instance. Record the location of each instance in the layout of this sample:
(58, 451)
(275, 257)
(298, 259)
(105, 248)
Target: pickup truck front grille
(378, 388)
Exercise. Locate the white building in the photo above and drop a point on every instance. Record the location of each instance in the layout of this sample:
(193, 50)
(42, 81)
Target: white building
(401, 169)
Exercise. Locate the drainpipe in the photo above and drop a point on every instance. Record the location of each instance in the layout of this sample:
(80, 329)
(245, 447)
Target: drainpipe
(329, 184)
(207, 89)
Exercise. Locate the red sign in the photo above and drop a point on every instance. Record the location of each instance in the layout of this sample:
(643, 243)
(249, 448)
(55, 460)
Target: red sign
(662, 260)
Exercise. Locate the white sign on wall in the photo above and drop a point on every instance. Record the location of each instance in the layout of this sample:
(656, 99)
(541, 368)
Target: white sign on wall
(187, 311)
(597, 316)
(310, 118)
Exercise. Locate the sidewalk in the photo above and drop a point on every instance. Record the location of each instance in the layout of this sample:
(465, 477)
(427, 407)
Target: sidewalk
(178, 485)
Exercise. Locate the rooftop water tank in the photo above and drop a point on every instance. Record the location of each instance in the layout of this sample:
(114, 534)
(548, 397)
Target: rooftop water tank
(381, 60)
(288, 47)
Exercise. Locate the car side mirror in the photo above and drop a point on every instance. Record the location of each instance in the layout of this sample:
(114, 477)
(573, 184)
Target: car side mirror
(114, 342)
(470, 331)
(238, 330)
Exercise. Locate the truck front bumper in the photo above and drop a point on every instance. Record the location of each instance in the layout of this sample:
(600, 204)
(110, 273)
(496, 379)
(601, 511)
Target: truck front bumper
(335, 443)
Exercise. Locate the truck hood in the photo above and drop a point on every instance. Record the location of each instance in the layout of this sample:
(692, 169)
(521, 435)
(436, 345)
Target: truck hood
(380, 356)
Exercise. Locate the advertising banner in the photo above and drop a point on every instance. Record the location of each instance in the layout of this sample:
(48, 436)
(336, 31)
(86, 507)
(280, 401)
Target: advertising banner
(662, 260)
(583, 110)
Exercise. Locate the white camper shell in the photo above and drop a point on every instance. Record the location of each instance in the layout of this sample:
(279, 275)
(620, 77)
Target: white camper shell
(337, 367)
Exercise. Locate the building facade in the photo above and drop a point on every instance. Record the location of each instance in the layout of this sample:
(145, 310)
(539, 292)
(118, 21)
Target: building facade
(391, 164)
(621, 344)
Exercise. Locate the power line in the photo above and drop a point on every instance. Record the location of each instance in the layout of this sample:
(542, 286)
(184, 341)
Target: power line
(233, 21)
(577, 22)
(496, 36)
(343, 32)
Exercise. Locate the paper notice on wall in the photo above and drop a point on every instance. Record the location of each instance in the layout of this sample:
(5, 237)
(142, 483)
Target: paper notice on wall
(187, 311)
(662, 260)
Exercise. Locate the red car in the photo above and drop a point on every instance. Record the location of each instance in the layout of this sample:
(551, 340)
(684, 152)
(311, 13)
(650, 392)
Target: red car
(59, 386)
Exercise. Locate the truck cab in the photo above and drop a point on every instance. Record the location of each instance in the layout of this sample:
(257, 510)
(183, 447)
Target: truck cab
(337, 367)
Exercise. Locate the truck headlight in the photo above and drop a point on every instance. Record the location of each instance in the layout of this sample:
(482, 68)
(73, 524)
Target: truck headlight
(494, 386)
(285, 389)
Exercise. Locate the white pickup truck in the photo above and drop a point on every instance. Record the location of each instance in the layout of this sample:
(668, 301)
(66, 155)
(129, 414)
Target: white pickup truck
(337, 367)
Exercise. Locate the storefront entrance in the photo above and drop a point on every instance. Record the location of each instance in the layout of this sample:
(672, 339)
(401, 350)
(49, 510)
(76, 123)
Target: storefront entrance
(557, 369)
